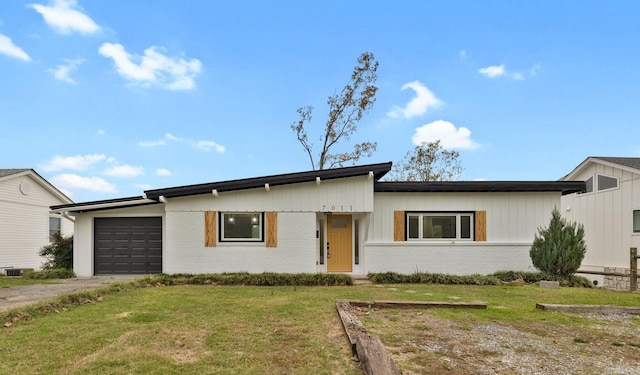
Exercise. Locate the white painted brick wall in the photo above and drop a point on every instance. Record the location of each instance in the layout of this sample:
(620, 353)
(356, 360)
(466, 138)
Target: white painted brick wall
(185, 251)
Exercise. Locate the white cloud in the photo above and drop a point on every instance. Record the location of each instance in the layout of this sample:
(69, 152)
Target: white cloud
(447, 133)
(154, 68)
(424, 100)
(68, 182)
(495, 71)
(76, 163)
(492, 71)
(64, 17)
(101, 132)
(8, 48)
(159, 142)
(62, 72)
(172, 137)
(210, 145)
(123, 171)
(163, 172)
(462, 54)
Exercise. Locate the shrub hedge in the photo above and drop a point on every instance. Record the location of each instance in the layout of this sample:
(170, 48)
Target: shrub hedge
(498, 278)
(254, 279)
(54, 273)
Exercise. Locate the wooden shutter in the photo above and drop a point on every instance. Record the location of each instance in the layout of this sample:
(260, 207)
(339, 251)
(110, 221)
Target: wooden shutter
(272, 229)
(398, 225)
(481, 225)
(210, 237)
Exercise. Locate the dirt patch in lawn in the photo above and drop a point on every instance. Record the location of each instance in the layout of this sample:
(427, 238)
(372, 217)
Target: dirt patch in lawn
(421, 343)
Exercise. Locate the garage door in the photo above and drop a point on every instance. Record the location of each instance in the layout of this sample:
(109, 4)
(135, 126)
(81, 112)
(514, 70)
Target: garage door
(127, 245)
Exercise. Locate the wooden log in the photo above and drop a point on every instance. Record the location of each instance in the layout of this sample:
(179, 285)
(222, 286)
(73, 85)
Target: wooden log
(599, 309)
(374, 357)
(351, 323)
(420, 304)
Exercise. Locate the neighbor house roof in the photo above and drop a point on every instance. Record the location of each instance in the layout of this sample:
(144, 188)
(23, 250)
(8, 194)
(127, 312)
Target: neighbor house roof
(626, 163)
(565, 187)
(6, 174)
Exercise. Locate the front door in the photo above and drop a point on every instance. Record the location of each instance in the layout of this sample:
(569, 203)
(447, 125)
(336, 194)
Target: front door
(339, 243)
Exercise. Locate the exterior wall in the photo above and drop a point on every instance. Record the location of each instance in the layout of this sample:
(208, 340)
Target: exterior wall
(185, 251)
(512, 222)
(83, 235)
(24, 222)
(607, 217)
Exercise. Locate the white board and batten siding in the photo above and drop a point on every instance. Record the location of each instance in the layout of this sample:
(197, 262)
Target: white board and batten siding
(24, 221)
(607, 216)
(512, 220)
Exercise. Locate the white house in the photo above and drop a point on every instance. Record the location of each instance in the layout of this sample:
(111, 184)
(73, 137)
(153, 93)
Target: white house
(337, 220)
(26, 224)
(609, 209)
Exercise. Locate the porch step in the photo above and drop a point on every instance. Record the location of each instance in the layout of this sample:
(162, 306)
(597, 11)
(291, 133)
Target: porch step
(360, 279)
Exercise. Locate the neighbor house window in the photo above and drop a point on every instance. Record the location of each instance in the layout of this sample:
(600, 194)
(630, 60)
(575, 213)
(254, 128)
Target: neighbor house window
(606, 182)
(440, 225)
(636, 221)
(55, 227)
(242, 226)
(589, 185)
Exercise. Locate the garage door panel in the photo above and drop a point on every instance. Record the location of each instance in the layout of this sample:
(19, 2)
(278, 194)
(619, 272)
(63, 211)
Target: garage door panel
(128, 245)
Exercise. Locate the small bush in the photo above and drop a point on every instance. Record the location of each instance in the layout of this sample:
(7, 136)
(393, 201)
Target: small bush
(59, 253)
(559, 248)
(56, 273)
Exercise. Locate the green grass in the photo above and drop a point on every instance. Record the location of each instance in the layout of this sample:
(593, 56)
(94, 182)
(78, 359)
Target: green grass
(9, 281)
(194, 329)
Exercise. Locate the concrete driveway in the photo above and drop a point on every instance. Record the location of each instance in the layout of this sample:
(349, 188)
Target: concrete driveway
(17, 296)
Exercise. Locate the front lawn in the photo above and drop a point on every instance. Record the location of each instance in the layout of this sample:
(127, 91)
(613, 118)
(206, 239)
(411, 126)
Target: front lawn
(196, 329)
(9, 281)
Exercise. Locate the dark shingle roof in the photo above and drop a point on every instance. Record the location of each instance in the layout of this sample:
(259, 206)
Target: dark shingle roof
(8, 172)
(626, 162)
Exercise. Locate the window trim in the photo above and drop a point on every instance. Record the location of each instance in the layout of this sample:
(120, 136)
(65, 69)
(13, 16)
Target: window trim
(58, 230)
(598, 175)
(457, 214)
(221, 221)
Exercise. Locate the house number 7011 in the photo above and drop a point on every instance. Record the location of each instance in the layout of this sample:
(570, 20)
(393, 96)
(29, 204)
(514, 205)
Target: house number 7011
(333, 207)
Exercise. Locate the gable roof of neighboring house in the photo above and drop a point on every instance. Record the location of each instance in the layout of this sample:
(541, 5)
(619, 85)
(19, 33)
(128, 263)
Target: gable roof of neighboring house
(7, 174)
(564, 187)
(625, 163)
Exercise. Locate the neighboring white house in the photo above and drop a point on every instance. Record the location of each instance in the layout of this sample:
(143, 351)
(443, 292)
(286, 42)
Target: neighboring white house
(26, 223)
(336, 220)
(609, 209)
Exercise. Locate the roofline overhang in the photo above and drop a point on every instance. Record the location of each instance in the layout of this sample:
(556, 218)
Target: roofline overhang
(376, 171)
(564, 187)
(102, 205)
(599, 160)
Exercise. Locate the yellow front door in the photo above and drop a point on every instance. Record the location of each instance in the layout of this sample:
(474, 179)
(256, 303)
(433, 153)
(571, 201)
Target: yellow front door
(339, 243)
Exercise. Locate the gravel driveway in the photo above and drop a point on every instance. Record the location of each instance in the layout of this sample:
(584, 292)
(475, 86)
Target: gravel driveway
(17, 296)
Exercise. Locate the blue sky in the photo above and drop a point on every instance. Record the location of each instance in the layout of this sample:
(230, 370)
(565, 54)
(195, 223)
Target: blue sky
(106, 99)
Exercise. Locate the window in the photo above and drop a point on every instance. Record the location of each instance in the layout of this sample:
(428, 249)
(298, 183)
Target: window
(321, 239)
(636, 221)
(605, 182)
(55, 225)
(356, 241)
(589, 183)
(241, 226)
(440, 225)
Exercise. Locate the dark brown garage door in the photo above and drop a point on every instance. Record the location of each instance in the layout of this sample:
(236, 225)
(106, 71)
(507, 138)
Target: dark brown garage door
(127, 245)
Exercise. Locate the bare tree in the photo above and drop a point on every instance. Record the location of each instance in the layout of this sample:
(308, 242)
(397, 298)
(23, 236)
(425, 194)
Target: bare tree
(346, 109)
(428, 161)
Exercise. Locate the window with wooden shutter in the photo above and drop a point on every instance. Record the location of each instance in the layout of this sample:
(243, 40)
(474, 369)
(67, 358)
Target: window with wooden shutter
(210, 236)
(272, 229)
(398, 226)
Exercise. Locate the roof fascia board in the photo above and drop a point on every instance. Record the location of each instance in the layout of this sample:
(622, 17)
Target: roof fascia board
(565, 187)
(102, 205)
